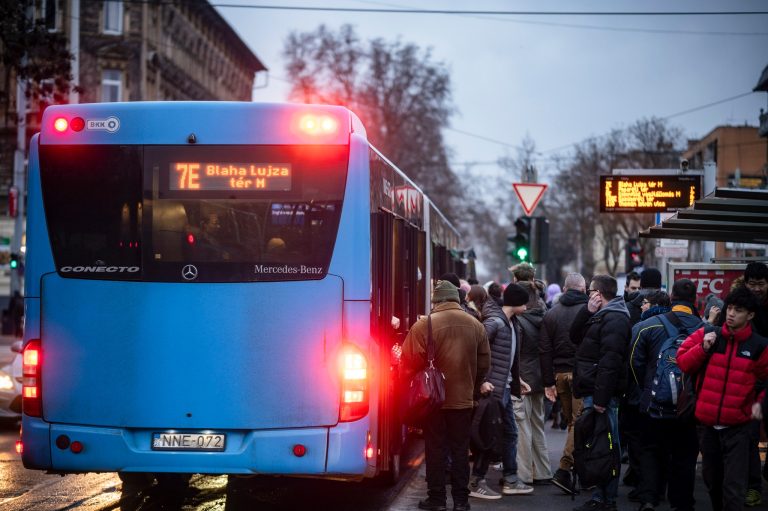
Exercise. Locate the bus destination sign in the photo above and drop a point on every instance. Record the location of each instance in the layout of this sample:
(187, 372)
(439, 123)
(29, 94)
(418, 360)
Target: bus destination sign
(217, 176)
(648, 194)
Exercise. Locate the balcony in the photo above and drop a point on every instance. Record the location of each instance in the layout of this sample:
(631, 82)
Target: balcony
(762, 131)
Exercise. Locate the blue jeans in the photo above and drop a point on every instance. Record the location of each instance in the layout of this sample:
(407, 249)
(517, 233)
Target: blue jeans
(509, 457)
(610, 491)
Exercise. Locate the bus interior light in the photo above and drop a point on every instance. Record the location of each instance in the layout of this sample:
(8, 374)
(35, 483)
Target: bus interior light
(60, 124)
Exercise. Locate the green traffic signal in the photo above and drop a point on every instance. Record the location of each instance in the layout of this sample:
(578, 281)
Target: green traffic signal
(522, 254)
(14, 262)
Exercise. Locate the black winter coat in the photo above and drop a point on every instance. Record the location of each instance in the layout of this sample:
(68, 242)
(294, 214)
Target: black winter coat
(530, 359)
(499, 330)
(555, 346)
(602, 338)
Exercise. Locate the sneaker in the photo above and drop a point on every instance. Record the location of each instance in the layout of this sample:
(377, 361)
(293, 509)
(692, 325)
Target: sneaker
(562, 479)
(516, 488)
(753, 498)
(479, 489)
(432, 505)
(646, 506)
(497, 466)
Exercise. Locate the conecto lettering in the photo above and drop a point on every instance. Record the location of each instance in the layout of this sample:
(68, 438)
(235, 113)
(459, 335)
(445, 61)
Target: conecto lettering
(99, 269)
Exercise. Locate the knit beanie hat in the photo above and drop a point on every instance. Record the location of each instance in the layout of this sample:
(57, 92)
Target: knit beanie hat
(651, 277)
(712, 300)
(445, 292)
(515, 295)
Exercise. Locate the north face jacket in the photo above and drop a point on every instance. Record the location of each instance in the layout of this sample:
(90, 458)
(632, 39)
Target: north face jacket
(736, 362)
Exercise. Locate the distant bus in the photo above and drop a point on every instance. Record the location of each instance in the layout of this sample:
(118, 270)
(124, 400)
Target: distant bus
(211, 287)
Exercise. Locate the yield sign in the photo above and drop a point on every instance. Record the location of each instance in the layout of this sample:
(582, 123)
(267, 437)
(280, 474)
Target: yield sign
(529, 194)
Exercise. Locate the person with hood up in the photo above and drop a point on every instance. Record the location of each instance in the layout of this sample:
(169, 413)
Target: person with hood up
(532, 455)
(602, 330)
(557, 359)
(553, 292)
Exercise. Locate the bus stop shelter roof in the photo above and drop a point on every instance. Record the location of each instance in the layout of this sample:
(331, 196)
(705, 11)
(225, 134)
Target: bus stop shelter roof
(728, 214)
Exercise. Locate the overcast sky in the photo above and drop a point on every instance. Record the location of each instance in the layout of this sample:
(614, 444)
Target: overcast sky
(560, 79)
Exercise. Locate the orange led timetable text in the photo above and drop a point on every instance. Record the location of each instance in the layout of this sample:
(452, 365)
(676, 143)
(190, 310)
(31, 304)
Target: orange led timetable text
(240, 175)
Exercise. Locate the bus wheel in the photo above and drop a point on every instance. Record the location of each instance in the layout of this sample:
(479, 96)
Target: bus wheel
(394, 469)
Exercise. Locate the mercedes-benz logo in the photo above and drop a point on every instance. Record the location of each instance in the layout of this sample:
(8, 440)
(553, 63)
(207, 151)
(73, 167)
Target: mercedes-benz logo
(189, 272)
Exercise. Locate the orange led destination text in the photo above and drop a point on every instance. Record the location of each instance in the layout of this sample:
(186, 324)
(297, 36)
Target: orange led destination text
(233, 176)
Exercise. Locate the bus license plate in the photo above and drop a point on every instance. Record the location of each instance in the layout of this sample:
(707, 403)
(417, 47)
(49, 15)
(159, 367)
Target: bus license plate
(188, 441)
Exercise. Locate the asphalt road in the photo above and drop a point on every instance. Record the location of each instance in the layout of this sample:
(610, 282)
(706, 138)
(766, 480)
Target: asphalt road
(28, 490)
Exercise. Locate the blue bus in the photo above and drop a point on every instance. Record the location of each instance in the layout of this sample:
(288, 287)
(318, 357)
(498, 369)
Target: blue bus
(216, 288)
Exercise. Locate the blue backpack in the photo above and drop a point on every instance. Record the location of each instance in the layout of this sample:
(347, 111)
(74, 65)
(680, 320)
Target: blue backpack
(668, 380)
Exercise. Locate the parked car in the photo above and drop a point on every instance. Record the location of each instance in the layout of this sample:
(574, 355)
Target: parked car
(10, 383)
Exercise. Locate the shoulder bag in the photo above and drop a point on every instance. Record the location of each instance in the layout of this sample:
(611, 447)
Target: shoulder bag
(426, 392)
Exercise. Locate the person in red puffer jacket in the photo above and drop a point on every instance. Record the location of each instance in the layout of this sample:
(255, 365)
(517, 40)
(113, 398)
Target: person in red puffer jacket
(729, 362)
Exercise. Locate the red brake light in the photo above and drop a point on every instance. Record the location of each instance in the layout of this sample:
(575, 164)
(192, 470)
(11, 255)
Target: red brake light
(30, 394)
(354, 384)
(60, 124)
(77, 124)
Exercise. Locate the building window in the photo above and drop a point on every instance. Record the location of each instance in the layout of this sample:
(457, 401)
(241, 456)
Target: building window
(111, 85)
(50, 15)
(113, 17)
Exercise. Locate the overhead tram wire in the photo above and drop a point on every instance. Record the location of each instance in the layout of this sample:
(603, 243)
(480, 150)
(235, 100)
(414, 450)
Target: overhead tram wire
(592, 27)
(666, 117)
(390, 10)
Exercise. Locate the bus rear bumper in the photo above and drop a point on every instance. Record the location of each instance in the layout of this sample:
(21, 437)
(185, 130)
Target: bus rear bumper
(246, 452)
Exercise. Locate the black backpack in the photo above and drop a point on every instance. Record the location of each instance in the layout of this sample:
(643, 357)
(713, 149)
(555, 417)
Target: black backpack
(595, 451)
(487, 431)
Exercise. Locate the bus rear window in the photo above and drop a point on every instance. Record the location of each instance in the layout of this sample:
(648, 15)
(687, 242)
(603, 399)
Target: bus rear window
(202, 213)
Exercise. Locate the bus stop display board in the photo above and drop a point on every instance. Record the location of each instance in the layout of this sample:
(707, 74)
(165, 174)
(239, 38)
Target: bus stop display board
(648, 194)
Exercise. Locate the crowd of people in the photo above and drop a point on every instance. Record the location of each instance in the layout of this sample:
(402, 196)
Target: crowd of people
(590, 348)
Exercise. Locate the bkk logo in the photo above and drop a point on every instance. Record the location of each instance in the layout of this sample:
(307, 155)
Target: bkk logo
(99, 269)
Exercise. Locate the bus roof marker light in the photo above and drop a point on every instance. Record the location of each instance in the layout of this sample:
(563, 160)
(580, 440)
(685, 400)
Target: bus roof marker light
(318, 125)
(60, 124)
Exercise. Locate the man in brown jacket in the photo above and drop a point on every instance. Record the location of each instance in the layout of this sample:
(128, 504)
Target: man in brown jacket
(463, 355)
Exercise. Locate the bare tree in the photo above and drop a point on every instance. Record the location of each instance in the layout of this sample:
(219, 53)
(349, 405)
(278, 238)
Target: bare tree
(648, 143)
(33, 54)
(402, 96)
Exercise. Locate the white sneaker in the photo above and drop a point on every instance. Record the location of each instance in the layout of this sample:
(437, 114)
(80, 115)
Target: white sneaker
(479, 489)
(516, 488)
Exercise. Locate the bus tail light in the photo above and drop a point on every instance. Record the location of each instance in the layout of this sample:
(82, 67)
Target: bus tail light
(30, 394)
(354, 384)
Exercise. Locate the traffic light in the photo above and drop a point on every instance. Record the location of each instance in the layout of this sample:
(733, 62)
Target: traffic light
(523, 239)
(14, 263)
(634, 254)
